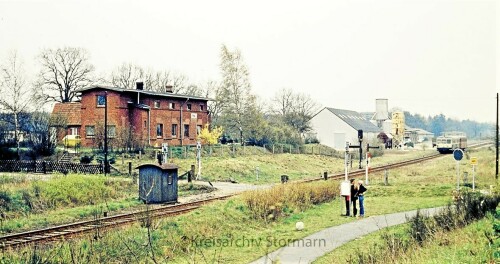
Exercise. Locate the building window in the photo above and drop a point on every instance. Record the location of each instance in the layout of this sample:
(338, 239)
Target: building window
(198, 129)
(186, 130)
(171, 105)
(189, 107)
(73, 131)
(89, 131)
(111, 131)
(159, 130)
(170, 178)
(101, 101)
(174, 130)
(157, 104)
(202, 107)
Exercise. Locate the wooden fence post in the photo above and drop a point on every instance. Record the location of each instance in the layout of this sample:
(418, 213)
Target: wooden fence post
(386, 177)
(191, 173)
(129, 168)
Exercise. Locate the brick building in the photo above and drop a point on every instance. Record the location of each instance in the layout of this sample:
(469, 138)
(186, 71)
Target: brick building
(135, 117)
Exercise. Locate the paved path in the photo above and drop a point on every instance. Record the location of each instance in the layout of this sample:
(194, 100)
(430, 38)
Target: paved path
(318, 244)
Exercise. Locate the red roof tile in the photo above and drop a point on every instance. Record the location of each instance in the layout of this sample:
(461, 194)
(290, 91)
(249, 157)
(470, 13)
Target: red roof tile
(71, 111)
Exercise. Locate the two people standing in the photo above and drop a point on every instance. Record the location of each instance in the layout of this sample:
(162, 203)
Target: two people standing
(357, 193)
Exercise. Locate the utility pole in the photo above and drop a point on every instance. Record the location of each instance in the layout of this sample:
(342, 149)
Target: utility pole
(105, 133)
(368, 157)
(496, 143)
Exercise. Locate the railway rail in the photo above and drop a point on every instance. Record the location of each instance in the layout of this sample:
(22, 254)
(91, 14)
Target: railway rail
(57, 233)
(97, 226)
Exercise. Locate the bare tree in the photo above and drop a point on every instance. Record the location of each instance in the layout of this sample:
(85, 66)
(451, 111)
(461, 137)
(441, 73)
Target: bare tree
(159, 80)
(126, 75)
(214, 91)
(16, 96)
(282, 102)
(64, 70)
(296, 109)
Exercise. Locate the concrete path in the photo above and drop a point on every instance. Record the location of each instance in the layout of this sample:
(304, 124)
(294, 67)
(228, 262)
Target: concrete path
(318, 244)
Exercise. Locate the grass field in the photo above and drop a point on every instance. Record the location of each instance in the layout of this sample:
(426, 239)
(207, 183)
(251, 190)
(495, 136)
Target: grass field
(476, 243)
(28, 203)
(268, 166)
(193, 237)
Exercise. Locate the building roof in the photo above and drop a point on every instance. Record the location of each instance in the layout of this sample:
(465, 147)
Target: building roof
(71, 111)
(355, 120)
(165, 166)
(122, 90)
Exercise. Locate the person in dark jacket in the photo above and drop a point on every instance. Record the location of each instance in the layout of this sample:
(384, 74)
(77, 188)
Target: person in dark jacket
(361, 192)
(354, 196)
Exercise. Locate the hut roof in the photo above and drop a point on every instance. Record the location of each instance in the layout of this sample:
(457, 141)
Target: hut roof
(167, 166)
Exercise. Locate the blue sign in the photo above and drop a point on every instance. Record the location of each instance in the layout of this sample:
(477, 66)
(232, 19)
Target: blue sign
(458, 154)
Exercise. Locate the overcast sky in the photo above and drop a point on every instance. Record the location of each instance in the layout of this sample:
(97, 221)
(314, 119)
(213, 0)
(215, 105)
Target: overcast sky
(426, 57)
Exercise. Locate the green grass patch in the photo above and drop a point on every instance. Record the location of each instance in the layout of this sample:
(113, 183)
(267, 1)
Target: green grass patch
(193, 237)
(29, 203)
(451, 236)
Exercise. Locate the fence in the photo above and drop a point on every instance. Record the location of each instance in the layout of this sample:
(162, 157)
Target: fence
(39, 166)
(239, 150)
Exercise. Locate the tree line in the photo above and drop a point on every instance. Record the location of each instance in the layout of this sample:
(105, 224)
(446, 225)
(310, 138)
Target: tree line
(235, 110)
(242, 116)
(440, 123)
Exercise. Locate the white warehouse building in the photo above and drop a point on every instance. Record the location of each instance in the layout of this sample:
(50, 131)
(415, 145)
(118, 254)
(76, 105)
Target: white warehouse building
(334, 127)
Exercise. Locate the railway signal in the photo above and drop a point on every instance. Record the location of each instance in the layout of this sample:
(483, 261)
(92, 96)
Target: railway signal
(164, 150)
(360, 146)
(458, 154)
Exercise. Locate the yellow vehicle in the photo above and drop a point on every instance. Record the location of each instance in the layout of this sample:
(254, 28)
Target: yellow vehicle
(72, 141)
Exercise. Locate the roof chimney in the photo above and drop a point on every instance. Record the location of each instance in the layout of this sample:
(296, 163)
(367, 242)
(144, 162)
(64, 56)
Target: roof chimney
(382, 109)
(139, 85)
(169, 88)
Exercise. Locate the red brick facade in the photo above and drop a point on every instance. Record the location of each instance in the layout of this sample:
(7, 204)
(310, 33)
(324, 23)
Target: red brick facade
(140, 117)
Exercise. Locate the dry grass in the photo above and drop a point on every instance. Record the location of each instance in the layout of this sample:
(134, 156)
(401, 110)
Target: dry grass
(280, 200)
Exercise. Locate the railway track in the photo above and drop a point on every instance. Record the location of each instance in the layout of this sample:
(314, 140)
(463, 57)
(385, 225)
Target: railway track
(360, 172)
(97, 226)
(57, 233)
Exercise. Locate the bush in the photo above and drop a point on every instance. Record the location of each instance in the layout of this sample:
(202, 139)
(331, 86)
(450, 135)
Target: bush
(8, 154)
(311, 140)
(86, 159)
(111, 159)
(271, 204)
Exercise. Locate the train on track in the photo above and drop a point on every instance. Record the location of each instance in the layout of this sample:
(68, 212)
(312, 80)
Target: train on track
(449, 141)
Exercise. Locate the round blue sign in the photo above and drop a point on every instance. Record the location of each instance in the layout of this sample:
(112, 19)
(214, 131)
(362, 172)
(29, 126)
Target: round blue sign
(458, 154)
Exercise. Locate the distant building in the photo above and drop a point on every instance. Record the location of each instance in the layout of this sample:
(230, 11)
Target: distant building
(333, 127)
(417, 135)
(145, 117)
